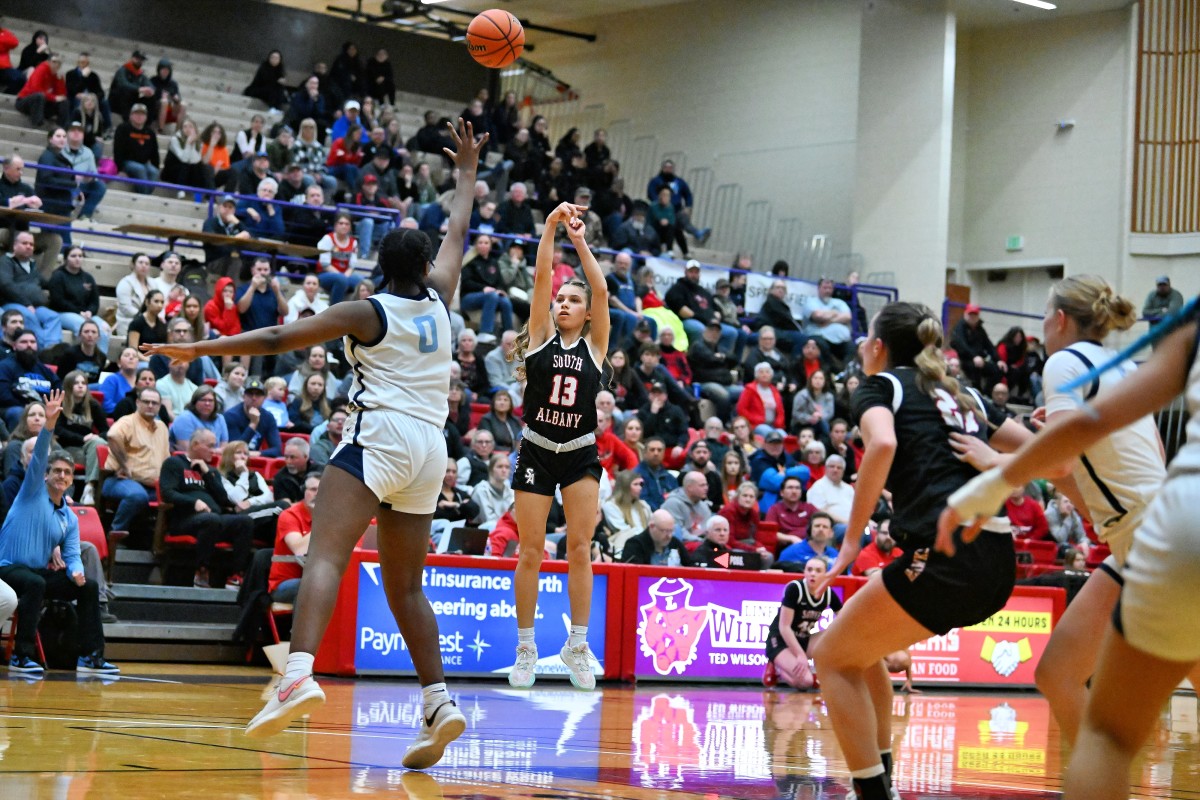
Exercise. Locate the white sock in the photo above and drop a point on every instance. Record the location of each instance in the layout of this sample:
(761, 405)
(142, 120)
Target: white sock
(525, 636)
(298, 666)
(434, 695)
(578, 635)
(869, 772)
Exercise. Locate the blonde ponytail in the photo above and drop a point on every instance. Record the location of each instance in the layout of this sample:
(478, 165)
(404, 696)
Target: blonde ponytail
(930, 364)
(1094, 305)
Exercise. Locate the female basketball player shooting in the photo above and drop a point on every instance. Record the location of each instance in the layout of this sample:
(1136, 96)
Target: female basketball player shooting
(563, 347)
(1154, 638)
(391, 462)
(907, 409)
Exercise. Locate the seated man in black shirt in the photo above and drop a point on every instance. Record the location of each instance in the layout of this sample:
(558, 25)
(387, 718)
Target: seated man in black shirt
(306, 224)
(202, 509)
(289, 481)
(657, 544)
(715, 544)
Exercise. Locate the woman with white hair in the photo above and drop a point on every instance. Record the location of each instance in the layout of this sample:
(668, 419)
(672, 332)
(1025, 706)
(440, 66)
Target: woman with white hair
(761, 403)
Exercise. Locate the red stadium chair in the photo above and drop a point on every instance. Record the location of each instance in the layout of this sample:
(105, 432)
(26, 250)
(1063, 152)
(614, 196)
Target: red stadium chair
(477, 412)
(273, 468)
(1042, 552)
(284, 437)
(90, 528)
(1097, 554)
(98, 396)
(10, 640)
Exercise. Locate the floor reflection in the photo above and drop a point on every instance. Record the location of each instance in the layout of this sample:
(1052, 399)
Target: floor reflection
(66, 739)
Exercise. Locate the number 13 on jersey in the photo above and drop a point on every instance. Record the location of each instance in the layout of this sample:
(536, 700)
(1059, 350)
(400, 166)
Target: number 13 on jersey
(562, 390)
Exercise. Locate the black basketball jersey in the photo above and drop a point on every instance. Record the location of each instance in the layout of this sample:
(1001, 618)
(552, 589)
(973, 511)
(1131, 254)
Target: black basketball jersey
(811, 614)
(925, 470)
(560, 390)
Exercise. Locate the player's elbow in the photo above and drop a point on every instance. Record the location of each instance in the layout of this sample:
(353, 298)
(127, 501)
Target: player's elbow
(883, 444)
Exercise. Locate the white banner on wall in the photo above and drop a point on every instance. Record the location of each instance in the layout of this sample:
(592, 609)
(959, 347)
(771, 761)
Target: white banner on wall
(666, 273)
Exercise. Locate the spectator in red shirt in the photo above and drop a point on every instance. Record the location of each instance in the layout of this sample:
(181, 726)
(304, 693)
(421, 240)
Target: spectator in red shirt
(345, 156)
(744, 534)
(760, 403)
(45, 91)
(879, 553)
(291, 544)
(1027, 516)
(790, 513)
(11, 78)
(504, 532)
(615, 456)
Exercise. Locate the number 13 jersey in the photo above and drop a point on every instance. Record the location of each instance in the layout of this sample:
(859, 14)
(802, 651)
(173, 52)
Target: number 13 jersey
(406, 369)
(925, 468)
(561, 387)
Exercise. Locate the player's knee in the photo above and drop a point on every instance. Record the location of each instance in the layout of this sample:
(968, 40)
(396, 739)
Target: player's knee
(1048, 676)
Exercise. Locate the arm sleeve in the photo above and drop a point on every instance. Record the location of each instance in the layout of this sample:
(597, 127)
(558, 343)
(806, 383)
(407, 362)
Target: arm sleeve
(875, 391)
(325, 245)
(35, 474)
(170, 478)
(791, 596)
(270, 434)
(70, 546)
(1060, 368)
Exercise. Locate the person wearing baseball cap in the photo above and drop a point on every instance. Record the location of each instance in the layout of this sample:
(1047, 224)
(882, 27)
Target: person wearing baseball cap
(694, 305)
(1163, 300)
(83, 159)
(135, 147)
(224, 221)
(976, 353)
(250, 424)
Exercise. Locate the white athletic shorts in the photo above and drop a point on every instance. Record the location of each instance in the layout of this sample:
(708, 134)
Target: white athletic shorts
(1159, 612)
(400, 458)
(1119, 540)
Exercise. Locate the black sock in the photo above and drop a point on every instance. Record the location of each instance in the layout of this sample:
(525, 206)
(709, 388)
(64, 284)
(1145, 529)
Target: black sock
(875, 788)
(886, 757)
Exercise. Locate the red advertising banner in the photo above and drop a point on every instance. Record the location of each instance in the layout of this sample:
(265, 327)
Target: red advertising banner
(1003, 650)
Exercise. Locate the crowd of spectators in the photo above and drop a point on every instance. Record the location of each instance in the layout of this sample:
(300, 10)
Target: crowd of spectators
(721, 431)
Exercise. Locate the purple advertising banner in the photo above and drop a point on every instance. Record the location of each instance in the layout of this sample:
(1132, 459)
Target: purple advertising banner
(704, 629)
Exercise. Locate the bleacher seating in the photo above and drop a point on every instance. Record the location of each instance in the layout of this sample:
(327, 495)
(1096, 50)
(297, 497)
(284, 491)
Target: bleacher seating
(211, 87)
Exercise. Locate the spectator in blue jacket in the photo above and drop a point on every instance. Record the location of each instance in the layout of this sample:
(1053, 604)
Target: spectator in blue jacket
(248, 423)
(769, 465)
(263, 218)
(38, 522)
(23, 378)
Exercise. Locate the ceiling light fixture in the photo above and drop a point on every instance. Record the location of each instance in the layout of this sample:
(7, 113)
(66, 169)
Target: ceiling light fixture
(1034, 3)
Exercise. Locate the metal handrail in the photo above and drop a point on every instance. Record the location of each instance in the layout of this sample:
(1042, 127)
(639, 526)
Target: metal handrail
(361, 211)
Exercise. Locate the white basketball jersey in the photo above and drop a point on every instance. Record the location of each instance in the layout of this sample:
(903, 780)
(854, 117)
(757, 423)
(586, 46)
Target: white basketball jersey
(1119, 475)
(408, 368)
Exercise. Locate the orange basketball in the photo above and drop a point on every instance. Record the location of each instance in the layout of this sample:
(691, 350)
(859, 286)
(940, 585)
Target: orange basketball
(495, 38)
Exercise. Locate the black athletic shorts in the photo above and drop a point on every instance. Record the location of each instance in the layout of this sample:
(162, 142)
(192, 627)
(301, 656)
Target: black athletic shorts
(540, 471)
(943, 593)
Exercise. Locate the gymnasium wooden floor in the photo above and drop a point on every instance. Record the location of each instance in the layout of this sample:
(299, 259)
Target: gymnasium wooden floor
(163, 731)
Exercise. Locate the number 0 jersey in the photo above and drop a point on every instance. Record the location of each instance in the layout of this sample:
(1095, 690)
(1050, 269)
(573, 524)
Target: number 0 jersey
(561, 387)
(925, 469)
(406, 369)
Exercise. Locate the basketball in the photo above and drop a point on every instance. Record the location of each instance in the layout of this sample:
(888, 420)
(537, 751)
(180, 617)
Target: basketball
(495, 38)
